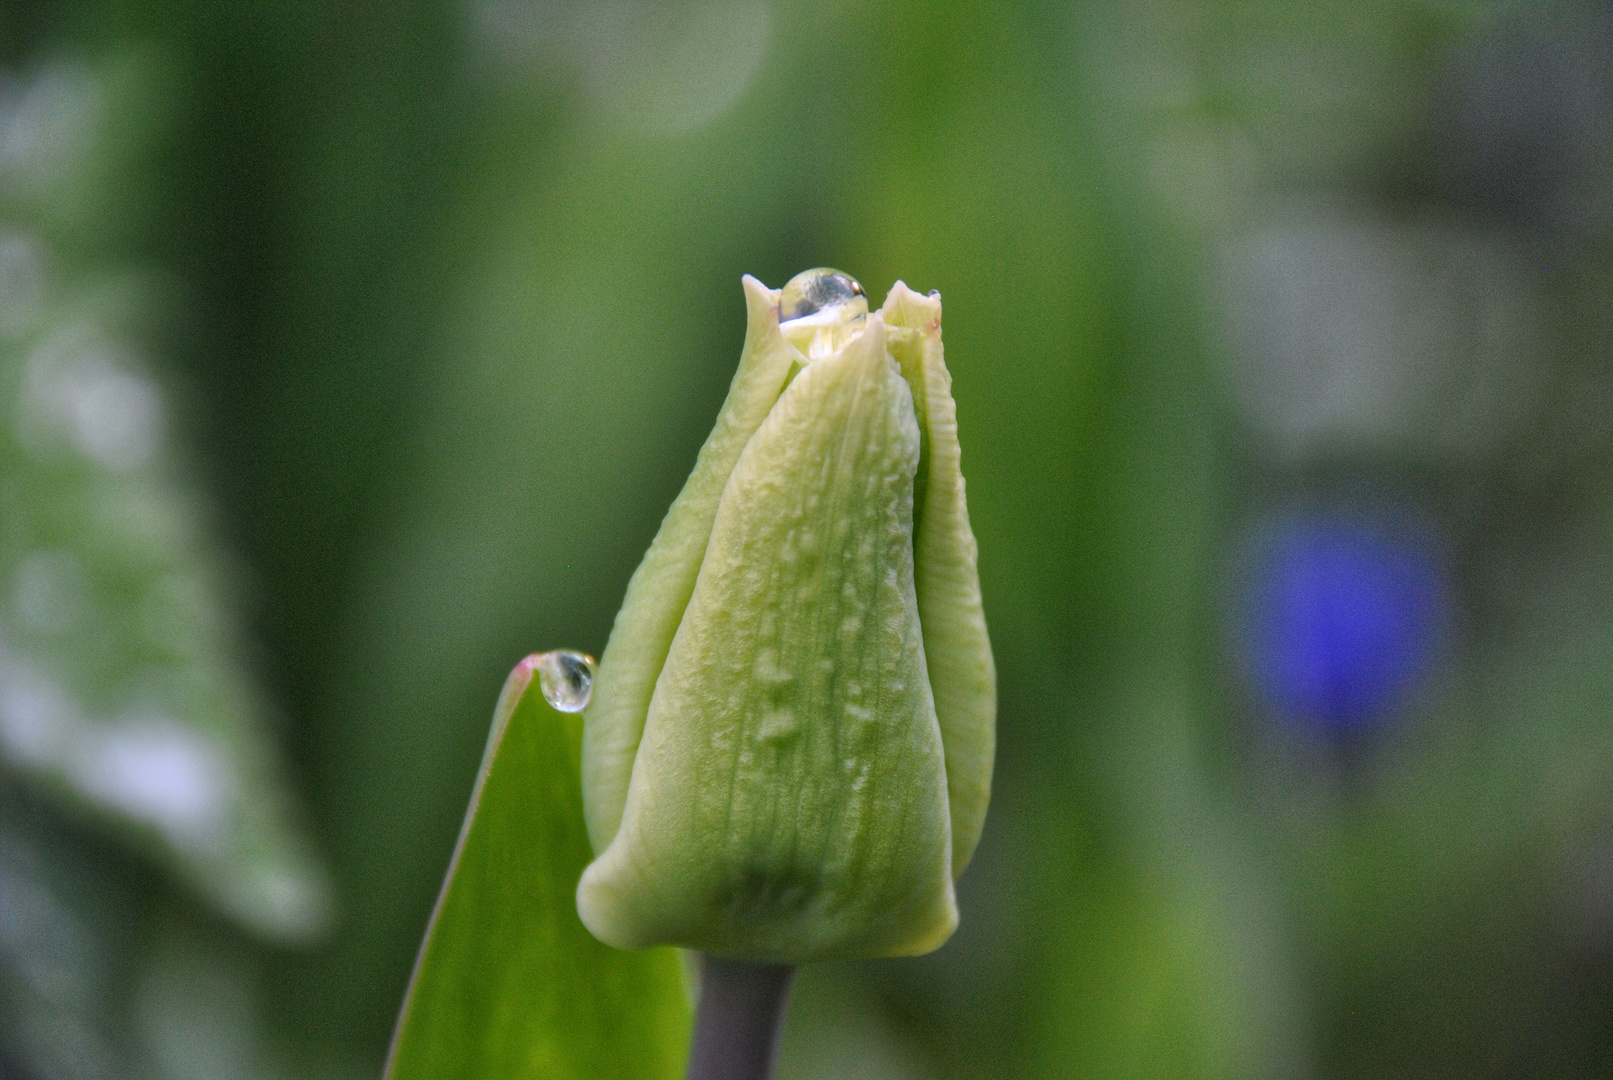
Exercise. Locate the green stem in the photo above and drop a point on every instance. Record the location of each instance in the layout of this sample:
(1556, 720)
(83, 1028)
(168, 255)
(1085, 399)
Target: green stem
(740, 1019)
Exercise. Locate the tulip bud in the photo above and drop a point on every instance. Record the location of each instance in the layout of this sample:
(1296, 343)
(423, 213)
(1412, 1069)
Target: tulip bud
(788, 752)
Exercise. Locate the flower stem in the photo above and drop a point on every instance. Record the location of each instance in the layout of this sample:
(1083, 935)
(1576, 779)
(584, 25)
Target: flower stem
(740, 1019)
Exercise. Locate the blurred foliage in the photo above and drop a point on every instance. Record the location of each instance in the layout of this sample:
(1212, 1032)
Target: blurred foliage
(123, 687)
(435, 302)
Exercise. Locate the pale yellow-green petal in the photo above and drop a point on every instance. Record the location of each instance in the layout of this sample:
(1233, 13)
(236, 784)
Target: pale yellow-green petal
(661, 587)
(962, 674)
(789, 798)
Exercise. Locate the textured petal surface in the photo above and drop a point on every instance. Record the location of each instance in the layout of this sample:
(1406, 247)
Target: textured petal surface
(789, 797)
(962, 674)
(664, 581)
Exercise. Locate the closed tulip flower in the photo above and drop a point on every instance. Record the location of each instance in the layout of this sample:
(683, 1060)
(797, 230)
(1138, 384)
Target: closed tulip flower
(788, 752)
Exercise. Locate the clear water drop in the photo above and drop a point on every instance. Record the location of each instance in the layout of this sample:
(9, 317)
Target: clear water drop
(830, 294)
(566, 679)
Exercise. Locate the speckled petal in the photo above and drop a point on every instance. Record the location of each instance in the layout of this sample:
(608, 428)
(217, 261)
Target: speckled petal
(664, 581)
(789, 797)
(962, 674)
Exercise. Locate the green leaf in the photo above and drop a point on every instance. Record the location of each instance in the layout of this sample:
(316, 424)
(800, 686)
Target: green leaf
(509, 984)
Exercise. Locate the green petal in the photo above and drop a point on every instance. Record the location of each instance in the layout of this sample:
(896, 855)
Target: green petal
(789, 798)
(508, 983)
(664, 581)
(962, 674)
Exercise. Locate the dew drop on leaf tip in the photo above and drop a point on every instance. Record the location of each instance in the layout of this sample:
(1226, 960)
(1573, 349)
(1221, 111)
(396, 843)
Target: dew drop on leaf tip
(566, 679)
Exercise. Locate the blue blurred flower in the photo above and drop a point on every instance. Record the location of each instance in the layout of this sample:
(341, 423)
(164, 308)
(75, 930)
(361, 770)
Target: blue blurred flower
(1343, 616)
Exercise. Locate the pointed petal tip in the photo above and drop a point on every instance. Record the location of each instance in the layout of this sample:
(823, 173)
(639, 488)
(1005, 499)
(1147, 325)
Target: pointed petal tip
(876, 326)
(904, 307)
(761, 307)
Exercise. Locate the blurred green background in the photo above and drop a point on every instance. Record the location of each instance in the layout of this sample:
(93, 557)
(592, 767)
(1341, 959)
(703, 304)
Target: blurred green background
(349, 352)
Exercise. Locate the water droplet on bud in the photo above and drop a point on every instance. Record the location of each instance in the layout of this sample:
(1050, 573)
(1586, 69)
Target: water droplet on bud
(833, 296)
(566, 679)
